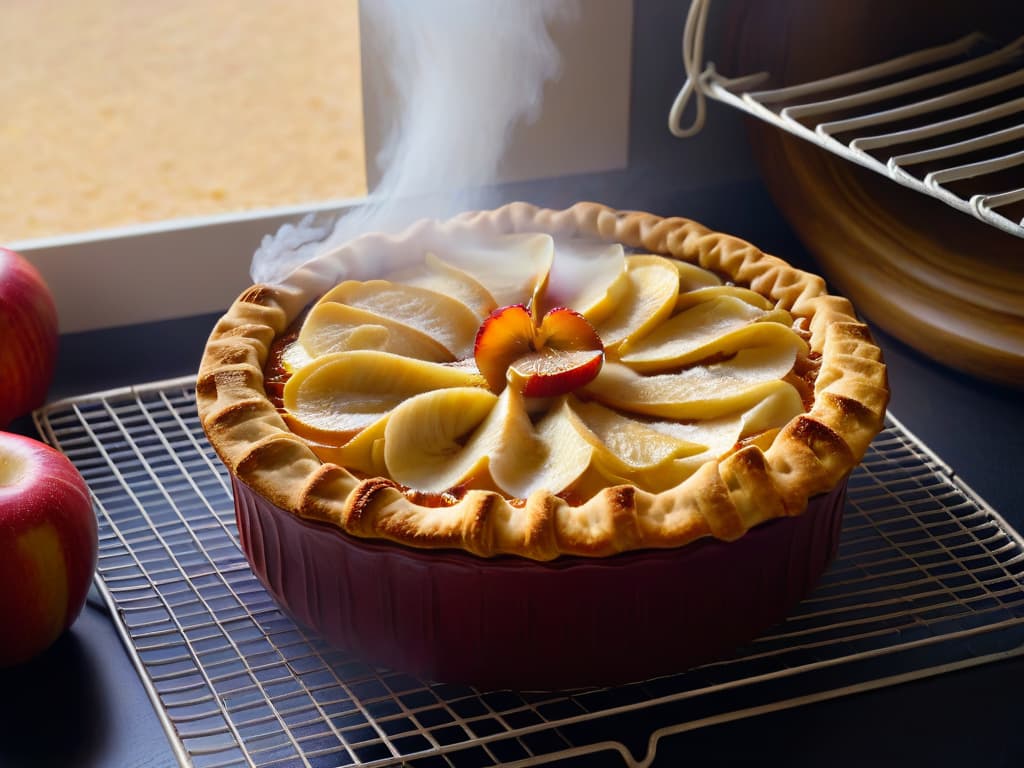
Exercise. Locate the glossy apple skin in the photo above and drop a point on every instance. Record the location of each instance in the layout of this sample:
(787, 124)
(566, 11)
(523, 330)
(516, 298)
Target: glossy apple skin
(564, 380)
(507, 334)
(510, 334)
(28, 337)
(48, 546)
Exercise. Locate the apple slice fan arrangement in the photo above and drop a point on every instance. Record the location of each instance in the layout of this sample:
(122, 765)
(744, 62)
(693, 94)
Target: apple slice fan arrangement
(573, 367)
(48, 533)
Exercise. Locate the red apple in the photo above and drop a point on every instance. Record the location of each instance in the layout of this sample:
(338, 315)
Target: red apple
(48, 546)
(557, 355)
(28, 337)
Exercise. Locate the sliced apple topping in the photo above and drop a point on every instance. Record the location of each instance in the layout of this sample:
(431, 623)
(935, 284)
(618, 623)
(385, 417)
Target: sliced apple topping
(526, 458)
(439, 276)
(588, 276)
(497, 366)
(700, 392)
(560, 354)
(505, 336)
(331, 327)
(719, 327)
(566, 454)
(653, 285)
(513, 268)
(660, 454)
(450, 322)
(626, 444)
(439, 440)
(689, 298)
(425, 440)
(693, 277)
(363, 452)
(333, 398)
(552, 372)
(780, 403)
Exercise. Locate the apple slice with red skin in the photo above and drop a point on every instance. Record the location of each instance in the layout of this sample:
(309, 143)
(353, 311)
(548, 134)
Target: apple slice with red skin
(558, 355)
(553, 372)
(504, 336)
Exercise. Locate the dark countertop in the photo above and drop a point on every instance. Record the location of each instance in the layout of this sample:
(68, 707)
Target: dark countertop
(85, 690)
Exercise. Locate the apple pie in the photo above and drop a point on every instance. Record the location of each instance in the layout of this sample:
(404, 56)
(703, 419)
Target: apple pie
(542, 384)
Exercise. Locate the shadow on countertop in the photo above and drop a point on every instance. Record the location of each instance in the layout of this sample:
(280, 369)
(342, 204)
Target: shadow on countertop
(53, 709)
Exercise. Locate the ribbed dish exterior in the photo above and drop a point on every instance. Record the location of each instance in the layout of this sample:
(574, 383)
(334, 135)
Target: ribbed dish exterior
(509, 622)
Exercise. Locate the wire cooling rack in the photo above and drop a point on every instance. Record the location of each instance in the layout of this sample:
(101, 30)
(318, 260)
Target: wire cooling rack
(928, 578)
(946, 121)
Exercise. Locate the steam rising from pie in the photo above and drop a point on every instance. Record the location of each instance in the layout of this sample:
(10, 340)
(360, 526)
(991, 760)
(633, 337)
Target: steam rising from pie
(463, 74)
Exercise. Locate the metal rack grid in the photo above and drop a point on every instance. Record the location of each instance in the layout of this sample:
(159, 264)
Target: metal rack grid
(928, 578)
(947, 121)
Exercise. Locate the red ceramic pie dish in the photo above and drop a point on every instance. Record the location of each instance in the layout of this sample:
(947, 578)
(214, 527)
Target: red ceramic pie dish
(515, 623)
(600, 583)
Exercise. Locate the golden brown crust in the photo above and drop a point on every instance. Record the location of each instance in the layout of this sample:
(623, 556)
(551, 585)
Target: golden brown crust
(722, 499)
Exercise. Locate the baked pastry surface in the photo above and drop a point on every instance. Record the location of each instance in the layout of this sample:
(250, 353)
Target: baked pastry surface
(836, 373)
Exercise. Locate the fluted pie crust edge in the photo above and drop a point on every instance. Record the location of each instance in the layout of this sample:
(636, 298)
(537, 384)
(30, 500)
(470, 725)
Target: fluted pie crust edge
(723, 499)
